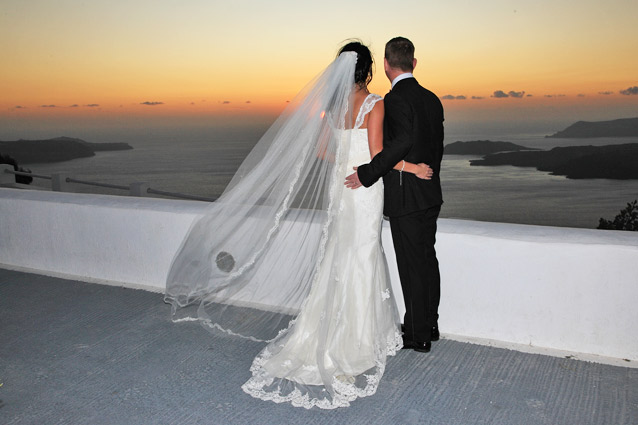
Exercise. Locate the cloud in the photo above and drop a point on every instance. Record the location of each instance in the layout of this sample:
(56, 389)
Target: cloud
(529, 95)
(478, 97)
(248, 101)
(92, 105)
(151, 103)
(225, 102)
(192, 103)
(606, 93)
(629, 91)
(75, 105)
(452, 97)
(47, 106)
(19, 107)
(501, 94)
(580, 95)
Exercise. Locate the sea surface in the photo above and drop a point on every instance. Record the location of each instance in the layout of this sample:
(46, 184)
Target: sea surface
(202, 161)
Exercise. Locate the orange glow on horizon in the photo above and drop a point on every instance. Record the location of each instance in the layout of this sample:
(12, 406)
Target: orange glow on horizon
(209, 58)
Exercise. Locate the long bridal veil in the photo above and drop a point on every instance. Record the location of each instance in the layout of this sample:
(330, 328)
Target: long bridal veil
(247, 264)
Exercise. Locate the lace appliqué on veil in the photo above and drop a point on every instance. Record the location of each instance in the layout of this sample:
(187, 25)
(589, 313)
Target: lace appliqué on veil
(345, 388)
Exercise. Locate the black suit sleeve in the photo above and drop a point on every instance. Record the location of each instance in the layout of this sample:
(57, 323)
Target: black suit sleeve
(396, 141)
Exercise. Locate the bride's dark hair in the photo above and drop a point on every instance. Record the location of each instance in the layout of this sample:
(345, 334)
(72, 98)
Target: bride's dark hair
(363, 69)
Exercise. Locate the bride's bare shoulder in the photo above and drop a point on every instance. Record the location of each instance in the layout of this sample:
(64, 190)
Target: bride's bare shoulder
(378, 107)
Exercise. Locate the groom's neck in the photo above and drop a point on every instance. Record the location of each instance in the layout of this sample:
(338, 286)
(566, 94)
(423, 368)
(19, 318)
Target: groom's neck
(393, 73)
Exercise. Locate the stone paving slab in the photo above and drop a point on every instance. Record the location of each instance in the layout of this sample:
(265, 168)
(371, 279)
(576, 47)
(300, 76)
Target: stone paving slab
(80, 353)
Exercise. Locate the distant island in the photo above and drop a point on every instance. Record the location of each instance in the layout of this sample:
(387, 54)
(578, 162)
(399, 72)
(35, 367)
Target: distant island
(625, 127)
(55, 150)
(618, 162)
(482, 147)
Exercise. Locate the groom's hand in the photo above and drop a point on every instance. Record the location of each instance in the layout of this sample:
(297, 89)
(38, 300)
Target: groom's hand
(352, 181)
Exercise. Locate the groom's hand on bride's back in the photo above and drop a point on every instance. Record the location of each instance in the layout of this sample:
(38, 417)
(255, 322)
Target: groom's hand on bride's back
(352, 181)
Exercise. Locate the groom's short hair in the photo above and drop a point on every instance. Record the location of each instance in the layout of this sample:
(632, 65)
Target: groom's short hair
(399, 52)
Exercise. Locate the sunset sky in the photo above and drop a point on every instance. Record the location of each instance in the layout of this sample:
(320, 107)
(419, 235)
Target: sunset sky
(71, 60)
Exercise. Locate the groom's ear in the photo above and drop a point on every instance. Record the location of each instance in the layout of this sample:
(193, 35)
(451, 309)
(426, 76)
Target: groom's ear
(413, 64)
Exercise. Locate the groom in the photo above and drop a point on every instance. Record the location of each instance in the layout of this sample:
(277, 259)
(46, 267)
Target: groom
(412, 131)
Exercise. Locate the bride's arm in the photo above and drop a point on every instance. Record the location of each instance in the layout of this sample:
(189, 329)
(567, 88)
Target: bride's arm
(422, 171)
(375, 128)
(375, 143)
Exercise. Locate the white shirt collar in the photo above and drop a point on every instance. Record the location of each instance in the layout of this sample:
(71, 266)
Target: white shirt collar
(402, 77)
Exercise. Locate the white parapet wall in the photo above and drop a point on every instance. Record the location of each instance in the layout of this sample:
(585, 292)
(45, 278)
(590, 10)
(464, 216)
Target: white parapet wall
(573, 290)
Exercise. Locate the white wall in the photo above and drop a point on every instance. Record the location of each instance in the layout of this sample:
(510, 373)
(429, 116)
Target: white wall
(568, 289)
(565, 289)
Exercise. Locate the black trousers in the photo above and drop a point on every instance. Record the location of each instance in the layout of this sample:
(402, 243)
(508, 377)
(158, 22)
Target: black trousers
(414, 236)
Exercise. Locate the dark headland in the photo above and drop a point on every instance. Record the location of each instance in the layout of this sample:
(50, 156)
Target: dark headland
(482, 147)
(618, 162)
(624, 127)
(55, 150)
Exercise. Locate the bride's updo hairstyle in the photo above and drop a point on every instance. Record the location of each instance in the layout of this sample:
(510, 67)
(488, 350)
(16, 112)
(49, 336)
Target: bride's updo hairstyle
(363, 69)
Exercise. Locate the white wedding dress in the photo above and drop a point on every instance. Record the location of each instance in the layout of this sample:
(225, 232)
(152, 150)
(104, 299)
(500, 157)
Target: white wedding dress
(289, 256)
(335, 350)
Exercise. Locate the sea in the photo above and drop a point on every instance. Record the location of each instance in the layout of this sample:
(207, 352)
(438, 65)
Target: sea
(201, 161)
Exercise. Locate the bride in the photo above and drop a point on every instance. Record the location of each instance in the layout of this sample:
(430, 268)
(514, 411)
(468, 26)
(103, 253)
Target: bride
(288, 256)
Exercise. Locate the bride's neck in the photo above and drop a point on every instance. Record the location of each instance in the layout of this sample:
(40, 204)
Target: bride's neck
(359, 89)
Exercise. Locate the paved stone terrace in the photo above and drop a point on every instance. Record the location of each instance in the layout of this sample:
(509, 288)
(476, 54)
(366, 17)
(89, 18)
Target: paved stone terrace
(80, 353)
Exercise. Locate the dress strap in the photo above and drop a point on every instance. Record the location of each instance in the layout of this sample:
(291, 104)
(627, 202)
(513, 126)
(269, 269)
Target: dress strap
(366, 107)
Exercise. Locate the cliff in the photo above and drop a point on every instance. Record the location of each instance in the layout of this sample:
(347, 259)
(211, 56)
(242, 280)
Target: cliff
(55, 150)
(626, 127)
(482, 147)
(576, 162)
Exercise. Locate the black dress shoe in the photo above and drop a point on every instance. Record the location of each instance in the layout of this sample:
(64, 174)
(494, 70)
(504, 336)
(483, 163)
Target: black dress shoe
(422, 347)
(435, 333)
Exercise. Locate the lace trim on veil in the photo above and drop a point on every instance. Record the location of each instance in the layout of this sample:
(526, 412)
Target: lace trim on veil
(281, 177)
(345, 389)
(283, 209)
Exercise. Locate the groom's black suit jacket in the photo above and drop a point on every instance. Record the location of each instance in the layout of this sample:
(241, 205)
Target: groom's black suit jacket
(413, 131)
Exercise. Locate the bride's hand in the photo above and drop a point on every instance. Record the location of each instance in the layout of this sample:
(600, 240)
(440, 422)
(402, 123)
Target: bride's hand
(424, 171)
